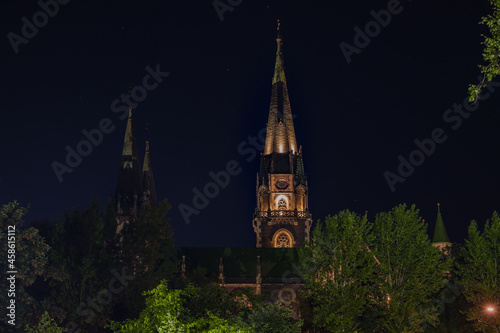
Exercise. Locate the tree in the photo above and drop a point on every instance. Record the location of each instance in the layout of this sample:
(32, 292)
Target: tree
(46, 325)
(272, 318)
(165, 311)
(27, 252)
(410, 273)
(491, 53)
(480, 274)
(79, 266)
(189, 311)
(338, 269)
(144, 247)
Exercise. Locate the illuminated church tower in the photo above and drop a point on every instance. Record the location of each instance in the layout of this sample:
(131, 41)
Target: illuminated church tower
(282, 216)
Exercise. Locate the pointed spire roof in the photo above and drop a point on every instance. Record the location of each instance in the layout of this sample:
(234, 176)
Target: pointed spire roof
(440, 235)
(148, 179)
(279, 68)
(280, 137)
(129, 187)
(129, 147)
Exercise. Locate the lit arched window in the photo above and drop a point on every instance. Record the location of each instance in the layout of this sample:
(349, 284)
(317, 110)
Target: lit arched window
(283, 238)
(282, 204)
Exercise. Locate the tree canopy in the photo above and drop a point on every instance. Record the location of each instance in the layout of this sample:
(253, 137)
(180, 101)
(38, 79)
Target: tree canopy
(480, 274)
(491, 52)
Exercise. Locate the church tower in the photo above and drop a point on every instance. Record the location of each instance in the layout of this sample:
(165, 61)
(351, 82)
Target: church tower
(282, 217)
(134, 188)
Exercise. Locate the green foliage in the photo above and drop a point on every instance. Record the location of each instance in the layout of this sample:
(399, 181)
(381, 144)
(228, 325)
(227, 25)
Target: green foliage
(165, 311)
(146, 238)
(46, 325)
(480, 274)
(85, 251)
(79, 264)
(338, 268)
(30, 262)
(491, 52)
(188, 311)
(410, 273)
(144, 247)
(272, 318)
(352, 267)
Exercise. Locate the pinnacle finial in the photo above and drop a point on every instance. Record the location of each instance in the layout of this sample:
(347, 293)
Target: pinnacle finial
(278, 39)
(130, 96)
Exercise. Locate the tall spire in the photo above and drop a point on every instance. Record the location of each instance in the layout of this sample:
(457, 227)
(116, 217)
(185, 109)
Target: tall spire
(280, 136)
(148, 180)
(129, 187)
(282, 217)
(440, 235)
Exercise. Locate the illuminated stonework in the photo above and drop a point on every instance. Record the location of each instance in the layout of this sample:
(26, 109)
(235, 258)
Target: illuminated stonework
(282, 217)
(283, 238)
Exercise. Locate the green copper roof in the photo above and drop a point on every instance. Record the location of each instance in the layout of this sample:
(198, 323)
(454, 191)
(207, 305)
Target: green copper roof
(440, 235)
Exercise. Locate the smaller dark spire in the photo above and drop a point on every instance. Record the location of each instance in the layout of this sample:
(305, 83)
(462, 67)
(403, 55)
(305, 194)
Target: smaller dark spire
(440, 234)
(129, 185)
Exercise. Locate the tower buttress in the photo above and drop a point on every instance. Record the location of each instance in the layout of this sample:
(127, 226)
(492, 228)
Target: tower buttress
(282, 217)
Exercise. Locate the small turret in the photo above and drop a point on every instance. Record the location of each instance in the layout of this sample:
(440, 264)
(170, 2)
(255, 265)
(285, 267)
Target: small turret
(440, 238)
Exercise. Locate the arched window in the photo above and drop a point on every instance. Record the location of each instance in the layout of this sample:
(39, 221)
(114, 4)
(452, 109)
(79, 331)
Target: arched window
(282, 204)
(283, 238)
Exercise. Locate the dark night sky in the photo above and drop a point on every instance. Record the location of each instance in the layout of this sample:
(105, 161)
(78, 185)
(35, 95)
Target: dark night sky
(353, 120)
